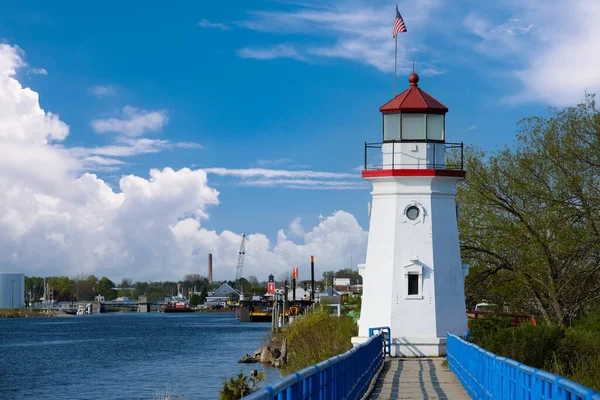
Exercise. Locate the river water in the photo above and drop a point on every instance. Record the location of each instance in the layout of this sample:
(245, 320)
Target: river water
(125, 355)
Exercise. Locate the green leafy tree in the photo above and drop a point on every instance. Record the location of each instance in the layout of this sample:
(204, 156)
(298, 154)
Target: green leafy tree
(194, 300)
(203, 294)
(529, 217)
(105, 288)
(62, 288)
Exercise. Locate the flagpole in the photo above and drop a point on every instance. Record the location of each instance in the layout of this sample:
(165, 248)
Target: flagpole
(395, 62)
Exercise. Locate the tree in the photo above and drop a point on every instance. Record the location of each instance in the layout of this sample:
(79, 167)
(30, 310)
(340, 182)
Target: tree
(105, 288)
(192, 277)
(203, 295)
(126, 283)
(530, 217)
(62, 288)
(194, 300)
(327, 277)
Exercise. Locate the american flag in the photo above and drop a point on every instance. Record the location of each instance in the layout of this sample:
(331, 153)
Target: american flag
(398, 24)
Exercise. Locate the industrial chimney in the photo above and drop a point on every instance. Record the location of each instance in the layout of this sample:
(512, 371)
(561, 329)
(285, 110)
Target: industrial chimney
(209, 267)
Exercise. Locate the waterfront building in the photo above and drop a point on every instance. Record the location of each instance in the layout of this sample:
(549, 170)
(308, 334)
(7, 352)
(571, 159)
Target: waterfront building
(12, 290)
(222, 295)
(413, 278)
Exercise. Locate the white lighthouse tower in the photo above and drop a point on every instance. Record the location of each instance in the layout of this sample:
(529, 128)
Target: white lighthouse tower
(413, 279)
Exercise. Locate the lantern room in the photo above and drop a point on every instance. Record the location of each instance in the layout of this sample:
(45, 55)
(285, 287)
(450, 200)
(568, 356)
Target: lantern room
(414, 132)
(413, 115)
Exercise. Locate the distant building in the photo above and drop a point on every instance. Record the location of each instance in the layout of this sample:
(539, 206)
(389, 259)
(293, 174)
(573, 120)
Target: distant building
(12, 290)
(341, 281)
(221, 295)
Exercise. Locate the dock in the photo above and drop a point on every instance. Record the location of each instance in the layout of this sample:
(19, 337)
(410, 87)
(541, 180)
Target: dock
(417, 378)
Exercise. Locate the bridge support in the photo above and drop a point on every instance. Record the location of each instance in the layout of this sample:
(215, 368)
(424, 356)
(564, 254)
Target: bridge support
(143, 305)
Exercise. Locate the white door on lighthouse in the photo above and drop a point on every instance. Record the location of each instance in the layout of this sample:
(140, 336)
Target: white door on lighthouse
(413, 279)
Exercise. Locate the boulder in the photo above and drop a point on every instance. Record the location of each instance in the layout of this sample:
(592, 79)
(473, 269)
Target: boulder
(266, 356)
(276, 353)
(248, 359)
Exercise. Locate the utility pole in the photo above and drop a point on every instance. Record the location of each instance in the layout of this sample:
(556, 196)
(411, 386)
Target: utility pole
(312, 278)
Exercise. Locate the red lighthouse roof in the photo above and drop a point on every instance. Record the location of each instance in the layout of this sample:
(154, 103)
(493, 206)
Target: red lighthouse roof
(413, 99)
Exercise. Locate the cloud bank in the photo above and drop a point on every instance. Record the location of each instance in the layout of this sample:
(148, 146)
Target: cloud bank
(58, 219)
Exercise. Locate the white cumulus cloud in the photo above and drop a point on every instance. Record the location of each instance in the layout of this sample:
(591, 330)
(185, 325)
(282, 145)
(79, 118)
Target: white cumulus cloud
(133, 122)
(103, 91)
(57, 219)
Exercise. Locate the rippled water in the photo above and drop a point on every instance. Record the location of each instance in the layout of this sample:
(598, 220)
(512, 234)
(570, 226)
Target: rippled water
(124, 355)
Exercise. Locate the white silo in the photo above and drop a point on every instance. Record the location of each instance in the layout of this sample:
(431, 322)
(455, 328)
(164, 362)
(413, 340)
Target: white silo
(12, 290)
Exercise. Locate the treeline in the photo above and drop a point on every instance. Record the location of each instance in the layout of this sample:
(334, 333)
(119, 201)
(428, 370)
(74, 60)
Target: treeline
(62, 288)
(529, 218)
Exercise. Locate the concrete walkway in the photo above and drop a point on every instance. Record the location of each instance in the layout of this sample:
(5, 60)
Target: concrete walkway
(417, 378)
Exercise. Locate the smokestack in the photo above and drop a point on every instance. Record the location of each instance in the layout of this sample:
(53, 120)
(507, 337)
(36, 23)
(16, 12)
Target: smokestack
(209, 267)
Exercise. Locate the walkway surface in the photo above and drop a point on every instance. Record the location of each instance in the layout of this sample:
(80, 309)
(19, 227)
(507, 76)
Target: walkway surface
(417, 378)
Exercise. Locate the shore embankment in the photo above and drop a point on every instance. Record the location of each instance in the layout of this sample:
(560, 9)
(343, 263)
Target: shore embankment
(25, 313)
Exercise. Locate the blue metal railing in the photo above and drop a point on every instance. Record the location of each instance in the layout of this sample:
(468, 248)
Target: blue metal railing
(484, 375)
(386, 337)
(347, 376)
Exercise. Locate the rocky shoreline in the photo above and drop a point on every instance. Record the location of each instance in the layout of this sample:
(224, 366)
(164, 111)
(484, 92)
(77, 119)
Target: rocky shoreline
(274, 354)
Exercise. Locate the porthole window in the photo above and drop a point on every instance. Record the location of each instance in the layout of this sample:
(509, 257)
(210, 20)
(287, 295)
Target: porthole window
(412, 213)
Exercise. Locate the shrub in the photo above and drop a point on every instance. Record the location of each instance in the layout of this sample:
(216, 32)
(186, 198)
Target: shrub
(239, 386)
(572, 352)
(315, 337)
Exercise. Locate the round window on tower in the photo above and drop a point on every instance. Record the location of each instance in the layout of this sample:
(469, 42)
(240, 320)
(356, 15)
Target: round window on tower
(412, 212)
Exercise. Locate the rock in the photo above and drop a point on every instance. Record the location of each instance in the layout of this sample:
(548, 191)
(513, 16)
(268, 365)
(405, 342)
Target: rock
(276, 353)
(277, 363)
(266, 356)
(247, 359)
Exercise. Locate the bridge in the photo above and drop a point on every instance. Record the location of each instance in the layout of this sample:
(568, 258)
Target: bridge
(367, 372)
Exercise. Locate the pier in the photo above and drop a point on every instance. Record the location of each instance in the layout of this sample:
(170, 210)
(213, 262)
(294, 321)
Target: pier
(417, 378)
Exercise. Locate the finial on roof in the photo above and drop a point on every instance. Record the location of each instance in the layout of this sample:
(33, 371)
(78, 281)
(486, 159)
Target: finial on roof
(413, 79)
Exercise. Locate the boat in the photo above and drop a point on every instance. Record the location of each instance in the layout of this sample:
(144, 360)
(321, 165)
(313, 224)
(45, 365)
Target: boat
(177, 307)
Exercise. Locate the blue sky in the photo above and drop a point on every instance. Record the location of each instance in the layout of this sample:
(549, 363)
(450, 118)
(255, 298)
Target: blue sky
(284, 86)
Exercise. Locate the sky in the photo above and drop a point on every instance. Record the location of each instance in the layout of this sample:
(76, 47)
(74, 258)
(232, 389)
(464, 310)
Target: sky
(136, 140)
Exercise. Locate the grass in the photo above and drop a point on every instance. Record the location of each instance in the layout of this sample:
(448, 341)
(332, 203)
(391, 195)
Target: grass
(315, 337)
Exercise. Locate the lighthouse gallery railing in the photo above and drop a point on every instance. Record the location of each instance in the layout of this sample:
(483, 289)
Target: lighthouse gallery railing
(347, 376)
(455, 162)
(484, 375)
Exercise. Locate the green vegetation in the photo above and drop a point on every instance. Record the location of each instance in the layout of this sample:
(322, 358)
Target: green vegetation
(529, 218)
(572, 352)
(240, 386)
(351, 306)
(24, 313)
(315, 337)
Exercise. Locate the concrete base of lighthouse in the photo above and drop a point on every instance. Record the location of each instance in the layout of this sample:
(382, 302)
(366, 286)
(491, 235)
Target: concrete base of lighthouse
(412, 346)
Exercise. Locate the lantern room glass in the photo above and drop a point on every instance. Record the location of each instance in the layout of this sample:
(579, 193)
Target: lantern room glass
(435, 127)
(391, 127)
(413, 126)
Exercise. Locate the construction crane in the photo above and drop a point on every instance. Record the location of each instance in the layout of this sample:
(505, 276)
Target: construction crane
(241, 254)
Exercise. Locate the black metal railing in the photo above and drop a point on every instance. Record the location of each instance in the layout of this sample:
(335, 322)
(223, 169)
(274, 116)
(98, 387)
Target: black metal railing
(454, 157)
